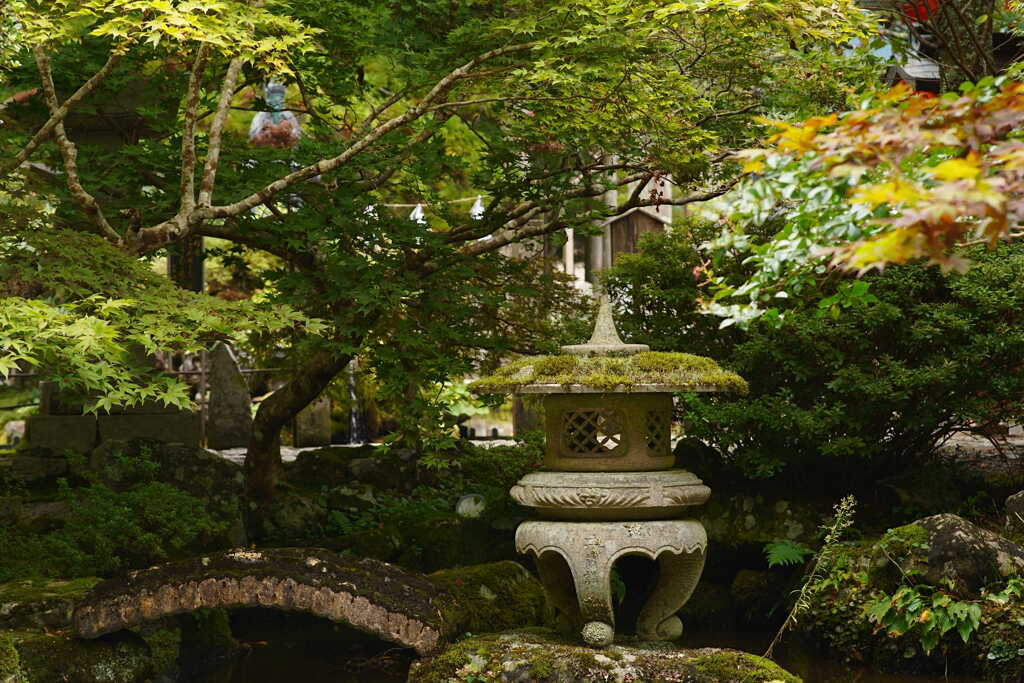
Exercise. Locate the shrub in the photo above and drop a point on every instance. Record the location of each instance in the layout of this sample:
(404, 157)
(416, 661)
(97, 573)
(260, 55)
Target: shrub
(841, 400)
(107, 530)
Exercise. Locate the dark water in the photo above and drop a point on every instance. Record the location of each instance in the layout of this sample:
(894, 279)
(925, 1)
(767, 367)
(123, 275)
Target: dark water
(292, 648)
(803, 662)
(290, 661)
(285, 663)
(278, 647)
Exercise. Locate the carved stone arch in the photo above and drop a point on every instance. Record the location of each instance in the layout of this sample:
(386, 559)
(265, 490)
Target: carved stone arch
(388, 602)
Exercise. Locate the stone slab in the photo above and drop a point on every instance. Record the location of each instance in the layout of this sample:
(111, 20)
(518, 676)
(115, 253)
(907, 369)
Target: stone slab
(180, 427)
(60, 433)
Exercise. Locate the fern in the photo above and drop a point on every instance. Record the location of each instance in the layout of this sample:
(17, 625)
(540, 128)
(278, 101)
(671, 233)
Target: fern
(784, 553)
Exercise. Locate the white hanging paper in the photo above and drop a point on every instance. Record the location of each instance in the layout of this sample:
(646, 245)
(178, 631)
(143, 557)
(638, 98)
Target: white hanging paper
(476, 212)
(417, 215)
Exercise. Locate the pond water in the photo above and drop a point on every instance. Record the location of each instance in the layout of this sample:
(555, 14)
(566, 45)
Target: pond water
(804, 662)
(309, 654)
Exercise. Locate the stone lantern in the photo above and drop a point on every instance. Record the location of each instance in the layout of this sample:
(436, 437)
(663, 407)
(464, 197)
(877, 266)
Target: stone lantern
(609, 488)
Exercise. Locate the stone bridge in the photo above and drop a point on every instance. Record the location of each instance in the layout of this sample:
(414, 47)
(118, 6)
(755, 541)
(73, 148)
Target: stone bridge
(393, 604)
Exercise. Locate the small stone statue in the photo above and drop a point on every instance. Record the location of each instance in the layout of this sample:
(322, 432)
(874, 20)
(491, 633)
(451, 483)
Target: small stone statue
(277, 127)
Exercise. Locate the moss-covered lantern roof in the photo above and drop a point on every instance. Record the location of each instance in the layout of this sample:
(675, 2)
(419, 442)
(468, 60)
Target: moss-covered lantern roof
(605, 364)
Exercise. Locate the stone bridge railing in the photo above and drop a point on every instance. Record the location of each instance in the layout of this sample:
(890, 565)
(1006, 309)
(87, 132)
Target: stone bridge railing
(395, 605)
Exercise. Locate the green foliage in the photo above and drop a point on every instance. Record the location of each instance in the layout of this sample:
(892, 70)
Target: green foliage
(925, 612)
(841, 400)
(489, 472)
(229, 26)
(139, 523)
(784, 553)
(84, 314)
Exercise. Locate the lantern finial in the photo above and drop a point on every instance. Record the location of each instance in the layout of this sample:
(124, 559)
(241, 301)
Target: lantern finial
(605, 341)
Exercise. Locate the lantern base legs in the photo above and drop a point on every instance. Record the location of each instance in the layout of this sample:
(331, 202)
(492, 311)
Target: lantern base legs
(575, 561)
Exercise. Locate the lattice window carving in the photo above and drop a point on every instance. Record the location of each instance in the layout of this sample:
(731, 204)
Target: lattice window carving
(656, 428)
(593, 432)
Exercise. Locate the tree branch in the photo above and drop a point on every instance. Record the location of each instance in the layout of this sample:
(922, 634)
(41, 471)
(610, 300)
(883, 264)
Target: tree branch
(69, 152)
(227, 92)
(188, 137)
(59, 115)
(326, 165)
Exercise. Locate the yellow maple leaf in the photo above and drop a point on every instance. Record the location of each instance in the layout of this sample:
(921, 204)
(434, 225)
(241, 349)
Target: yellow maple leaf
(753, 166)
(955, 169)
(891, 192)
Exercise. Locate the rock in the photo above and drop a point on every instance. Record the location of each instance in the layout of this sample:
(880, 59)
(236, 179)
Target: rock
(383, 543)
(293, 519)
(41, 603)
(219, 483)
(492, 597)
(452, 541)
(325, 466)
(711, 606)
(759, 594)
(736, 520)
(540, 656)
(384, 472)
(313, 424)
(61, 433)
(37, 464)
(933, 553)
(351, 498)
(42, 516)
(946, 548)
(53, 656)
(14, 432)
(229, 413)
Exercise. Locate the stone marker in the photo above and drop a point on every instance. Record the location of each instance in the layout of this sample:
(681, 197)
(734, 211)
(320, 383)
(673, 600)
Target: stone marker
(229, 416)
(313, 424)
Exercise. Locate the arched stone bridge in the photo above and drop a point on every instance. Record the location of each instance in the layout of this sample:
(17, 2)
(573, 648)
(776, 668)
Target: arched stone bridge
(395, 605)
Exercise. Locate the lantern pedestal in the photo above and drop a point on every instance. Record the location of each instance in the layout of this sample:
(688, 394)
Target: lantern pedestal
(575, 562)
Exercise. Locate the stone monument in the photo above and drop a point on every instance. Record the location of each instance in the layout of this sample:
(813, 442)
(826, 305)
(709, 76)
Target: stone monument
(609, 489)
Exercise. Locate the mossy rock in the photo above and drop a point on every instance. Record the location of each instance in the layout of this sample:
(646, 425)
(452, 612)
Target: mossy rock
(382, 543)
(683, 371)
(492, 597)
(452, 541)
(50, 657)
(41, 603)
(541, 656)
(740, 519)
(946, 550)
(328, 465)
(946, 553)
(10, 662)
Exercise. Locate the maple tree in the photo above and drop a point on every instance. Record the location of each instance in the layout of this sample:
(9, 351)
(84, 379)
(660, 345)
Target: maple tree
(904, 177)
(542, 106)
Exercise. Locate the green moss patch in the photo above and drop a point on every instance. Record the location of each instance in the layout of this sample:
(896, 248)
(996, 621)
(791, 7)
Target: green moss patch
(490, 597)
(685, 370)
(542, 656)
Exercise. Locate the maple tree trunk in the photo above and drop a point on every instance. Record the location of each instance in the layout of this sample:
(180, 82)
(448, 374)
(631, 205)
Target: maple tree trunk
(263, 459)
